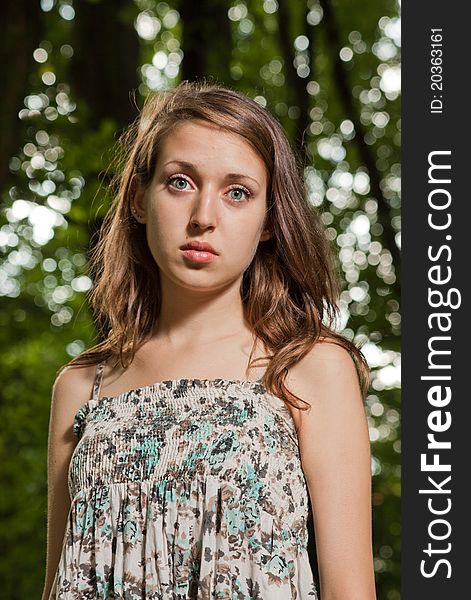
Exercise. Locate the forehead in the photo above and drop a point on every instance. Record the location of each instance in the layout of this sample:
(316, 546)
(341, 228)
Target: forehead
(208, 146)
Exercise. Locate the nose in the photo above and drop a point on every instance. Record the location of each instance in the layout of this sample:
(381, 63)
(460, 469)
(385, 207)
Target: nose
(203, 214)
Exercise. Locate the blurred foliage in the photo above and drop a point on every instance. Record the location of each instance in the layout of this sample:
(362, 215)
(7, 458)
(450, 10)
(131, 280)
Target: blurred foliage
(330, 71)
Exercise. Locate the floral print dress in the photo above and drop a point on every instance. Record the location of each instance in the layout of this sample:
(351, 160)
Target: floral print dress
(187, 488)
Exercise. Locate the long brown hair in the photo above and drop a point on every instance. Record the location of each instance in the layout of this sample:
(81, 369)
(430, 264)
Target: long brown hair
(290, 289)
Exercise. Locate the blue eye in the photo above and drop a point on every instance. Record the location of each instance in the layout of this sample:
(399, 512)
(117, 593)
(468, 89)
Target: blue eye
(178, 179)
(244, 191)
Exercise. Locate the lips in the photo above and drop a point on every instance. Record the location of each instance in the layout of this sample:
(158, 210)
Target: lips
(200, 246)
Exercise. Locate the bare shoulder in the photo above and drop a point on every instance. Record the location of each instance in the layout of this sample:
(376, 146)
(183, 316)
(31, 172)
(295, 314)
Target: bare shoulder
(71, 389)
(326, 364)
(76, 379)
(326, 378)
(334, 448)
(330, 353)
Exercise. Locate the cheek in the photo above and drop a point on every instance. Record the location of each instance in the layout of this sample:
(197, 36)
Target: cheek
(163, 226)
(241, 241)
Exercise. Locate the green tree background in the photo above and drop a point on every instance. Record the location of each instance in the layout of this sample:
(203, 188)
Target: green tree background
(74, 74)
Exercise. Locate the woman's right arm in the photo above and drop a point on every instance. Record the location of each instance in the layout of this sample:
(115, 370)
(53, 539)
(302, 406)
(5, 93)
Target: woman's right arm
(71, 390)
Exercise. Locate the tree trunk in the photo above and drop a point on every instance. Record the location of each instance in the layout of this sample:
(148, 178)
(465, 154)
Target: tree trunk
(21, 33)
(104, 67)
(206, 40)
(385, 212)
(296, 84)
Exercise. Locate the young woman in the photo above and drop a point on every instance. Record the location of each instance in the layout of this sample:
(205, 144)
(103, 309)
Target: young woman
(187, 473)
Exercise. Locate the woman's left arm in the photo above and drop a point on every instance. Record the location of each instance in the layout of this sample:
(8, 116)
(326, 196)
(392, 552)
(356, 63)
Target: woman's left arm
(335, 454)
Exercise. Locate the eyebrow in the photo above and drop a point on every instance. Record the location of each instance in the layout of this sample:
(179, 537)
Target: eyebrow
(188, 165)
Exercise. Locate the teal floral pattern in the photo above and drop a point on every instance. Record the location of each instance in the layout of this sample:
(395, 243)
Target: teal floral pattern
(186, 489)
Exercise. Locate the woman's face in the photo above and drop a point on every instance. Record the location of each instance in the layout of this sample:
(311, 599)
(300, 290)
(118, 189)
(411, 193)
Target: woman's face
(209, 186)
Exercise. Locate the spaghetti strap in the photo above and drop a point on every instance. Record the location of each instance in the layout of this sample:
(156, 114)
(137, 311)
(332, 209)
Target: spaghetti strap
(98, 379)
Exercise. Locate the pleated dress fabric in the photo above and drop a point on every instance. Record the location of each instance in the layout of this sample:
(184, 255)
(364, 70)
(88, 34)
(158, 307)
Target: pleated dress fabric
(187, 488)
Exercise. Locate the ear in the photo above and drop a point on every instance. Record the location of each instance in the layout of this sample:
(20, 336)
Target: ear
(266, 235)
(139, 205)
